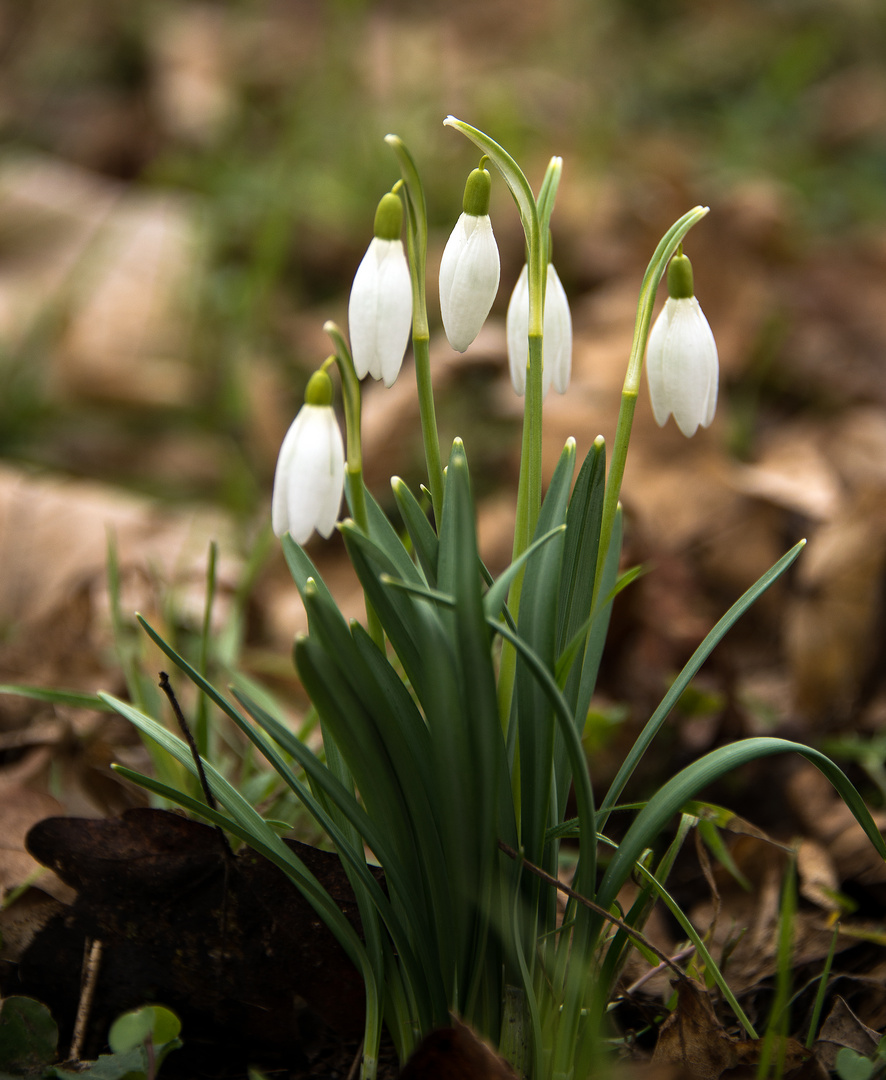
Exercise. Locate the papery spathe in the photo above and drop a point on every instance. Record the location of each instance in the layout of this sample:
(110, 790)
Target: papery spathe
(557, 351)
(380, 310)
(310, 475)
(682, 366)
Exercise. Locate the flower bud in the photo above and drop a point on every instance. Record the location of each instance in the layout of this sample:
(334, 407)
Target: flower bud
(380, 306)
(682, 365)
(557, 328)
(470, 267)
(310, 475)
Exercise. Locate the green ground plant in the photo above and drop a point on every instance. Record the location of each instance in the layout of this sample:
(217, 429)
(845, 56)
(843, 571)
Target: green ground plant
(452, 719)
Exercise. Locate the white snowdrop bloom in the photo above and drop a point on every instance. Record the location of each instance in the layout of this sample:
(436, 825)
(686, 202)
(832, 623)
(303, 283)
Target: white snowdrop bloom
(380, 306)
(682, 365)
(470, 267)
(310, 475)
(557, 327)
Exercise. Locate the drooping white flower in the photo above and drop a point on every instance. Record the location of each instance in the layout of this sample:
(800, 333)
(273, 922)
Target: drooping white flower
(380, 307)
(557, 326)
(310, 473)
(470, 267)
(682, 365)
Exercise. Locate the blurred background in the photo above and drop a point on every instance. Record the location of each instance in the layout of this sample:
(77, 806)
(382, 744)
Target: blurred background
(186, 189)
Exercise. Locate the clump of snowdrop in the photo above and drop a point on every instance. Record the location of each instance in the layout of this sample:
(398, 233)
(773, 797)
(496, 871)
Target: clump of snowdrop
(470, 267)
(310, 472)
(557, 334)
(681, 359)
(380, 306)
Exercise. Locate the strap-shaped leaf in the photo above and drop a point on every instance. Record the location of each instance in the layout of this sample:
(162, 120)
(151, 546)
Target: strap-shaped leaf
(420, 530)
(687, 784)
(412, 626)
(683, 679)
(537, 626)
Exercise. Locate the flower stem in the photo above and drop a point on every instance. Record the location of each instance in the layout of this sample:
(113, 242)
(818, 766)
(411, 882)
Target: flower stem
(352, 398)
(668, 244)
(413, 197)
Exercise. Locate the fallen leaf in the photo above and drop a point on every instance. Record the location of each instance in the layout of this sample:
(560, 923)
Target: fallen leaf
(844, 1029)
(693, 1038)
(455, 1053)
(227, 942)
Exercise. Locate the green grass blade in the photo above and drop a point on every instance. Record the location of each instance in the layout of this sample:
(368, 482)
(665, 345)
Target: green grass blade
(421, 532)
(495, 598)
(687, 784)
(75, 698)
(413, 627)
(687, 674)
(537, 624)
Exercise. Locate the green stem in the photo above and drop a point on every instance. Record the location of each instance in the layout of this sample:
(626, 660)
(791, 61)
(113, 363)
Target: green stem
(352, 398)
(434, 462)
(413, 196)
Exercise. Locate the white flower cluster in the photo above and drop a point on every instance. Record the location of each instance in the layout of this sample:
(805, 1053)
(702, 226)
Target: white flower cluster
(682, 364)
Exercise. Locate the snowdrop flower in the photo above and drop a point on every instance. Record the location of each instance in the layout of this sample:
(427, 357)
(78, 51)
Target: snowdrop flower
(380, 307)
(557, 356)
(681, 359)
(470, 267)
(310, 472)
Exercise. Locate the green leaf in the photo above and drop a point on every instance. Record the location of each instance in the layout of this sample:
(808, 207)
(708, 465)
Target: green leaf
(412, 626)
(379, 841)
(687, 784)
(687, 674)
(467, 741)
(580, 550)
(415, 202)
(537, 625)
(28, 1036)
(494, 600)
(385, 537)
(58, 697)
(420, 530)
(852, 1066)
(546, 196)
(134, 1028)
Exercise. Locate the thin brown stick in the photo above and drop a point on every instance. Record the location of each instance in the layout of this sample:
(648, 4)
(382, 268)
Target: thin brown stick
(629, 930)
(166, 687)
(92, 955)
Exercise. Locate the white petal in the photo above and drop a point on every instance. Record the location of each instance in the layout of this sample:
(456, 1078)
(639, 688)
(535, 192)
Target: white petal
(310, 475)
(661, 408)
(380, 310)
(557, 355)
(690, 366)
(558, 332)
(469, 276)
(682, 366)
(517, 325)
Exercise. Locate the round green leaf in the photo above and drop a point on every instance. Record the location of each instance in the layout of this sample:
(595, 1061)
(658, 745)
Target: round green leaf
(852, 1066)
(131, 1029)
(28, 1035)
(134, 1028)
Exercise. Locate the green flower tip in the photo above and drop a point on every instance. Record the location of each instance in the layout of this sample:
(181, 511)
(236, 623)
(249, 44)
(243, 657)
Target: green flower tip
(477, 189)
(319, 389)
(680, 285)
(389, 217)
(599, 441)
